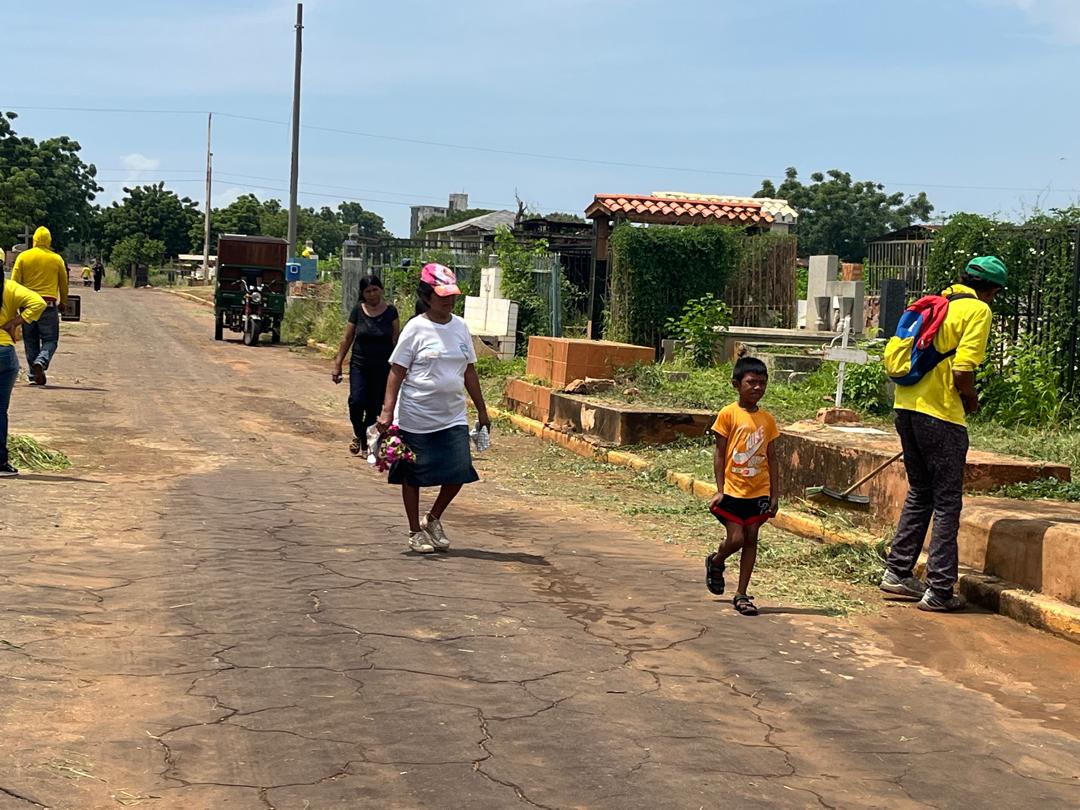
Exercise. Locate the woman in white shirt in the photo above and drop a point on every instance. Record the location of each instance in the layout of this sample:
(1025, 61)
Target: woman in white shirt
(431, 368)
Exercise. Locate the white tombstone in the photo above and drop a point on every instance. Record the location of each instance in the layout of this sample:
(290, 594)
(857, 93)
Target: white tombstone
(822, 272)
(491, 317)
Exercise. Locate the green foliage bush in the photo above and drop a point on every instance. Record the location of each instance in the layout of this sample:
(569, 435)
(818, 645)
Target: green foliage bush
(866, 388)
(321, 321)
(1020, 385)
(702, 323)
(657, 269)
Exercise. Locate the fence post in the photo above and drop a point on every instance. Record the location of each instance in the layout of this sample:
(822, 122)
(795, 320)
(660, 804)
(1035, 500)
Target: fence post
(1074, 326)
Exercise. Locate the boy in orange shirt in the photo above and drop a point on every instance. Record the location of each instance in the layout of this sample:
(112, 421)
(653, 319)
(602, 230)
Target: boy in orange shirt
(747, 490)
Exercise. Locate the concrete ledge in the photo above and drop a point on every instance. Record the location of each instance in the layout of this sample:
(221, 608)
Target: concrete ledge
(188, 296)
(997, 595)
(811, 454)
(1035, 544)
(618, 424)
(528, 399)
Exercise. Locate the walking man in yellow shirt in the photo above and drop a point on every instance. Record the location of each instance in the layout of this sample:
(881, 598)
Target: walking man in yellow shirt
(41, 270)
(930, 418)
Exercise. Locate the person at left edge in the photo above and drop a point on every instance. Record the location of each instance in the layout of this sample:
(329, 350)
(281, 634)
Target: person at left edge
(18, 307)
(42, 271)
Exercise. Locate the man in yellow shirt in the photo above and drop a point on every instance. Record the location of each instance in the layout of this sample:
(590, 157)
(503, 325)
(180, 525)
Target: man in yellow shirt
(930, 418)
(41, 270)
(18, 307)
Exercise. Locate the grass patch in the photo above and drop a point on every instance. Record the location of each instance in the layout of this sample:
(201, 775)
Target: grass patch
(494, 374)
(313, 320)
(1043, 488)
(790, 570)
(28, 453)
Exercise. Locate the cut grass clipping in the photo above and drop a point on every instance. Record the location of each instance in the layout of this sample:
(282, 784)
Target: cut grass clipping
(24, 452)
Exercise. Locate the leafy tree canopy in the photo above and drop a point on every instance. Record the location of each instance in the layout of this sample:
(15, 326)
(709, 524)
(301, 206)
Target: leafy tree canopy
(153, 212)
(327, 228)
(839, 216)
(44, 183)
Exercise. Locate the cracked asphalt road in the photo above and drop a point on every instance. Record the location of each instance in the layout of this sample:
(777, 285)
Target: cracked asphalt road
(213, 609)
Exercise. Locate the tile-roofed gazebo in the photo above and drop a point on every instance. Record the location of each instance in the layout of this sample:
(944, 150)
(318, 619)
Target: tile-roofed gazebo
(674, 208)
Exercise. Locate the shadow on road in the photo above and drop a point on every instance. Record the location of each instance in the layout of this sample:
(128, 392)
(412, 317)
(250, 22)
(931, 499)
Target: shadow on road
(72, 388)
(63, 479)
(805, 611)
(498, 556)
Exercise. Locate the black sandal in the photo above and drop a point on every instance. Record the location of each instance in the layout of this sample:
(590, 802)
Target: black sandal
(357, 446)
(745, 605)
(714, 577)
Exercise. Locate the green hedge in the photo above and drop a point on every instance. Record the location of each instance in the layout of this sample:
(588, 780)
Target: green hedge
(657, 269)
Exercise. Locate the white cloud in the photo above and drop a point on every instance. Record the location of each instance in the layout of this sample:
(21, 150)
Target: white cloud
(140, 163)
(1062, 17)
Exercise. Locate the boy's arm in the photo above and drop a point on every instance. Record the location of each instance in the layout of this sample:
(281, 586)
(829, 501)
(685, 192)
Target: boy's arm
(774, 478)
(719, 465)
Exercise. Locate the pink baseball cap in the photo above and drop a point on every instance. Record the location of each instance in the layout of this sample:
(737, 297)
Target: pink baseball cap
(440, 277)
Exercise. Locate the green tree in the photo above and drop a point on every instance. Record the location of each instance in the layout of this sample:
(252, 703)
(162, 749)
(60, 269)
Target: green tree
(154, 213)
(839, 216)
(44, 183)
(136, 249)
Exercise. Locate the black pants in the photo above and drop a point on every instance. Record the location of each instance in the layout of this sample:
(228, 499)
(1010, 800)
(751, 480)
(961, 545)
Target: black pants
(935, 452)
(97, 282)
(367, 387)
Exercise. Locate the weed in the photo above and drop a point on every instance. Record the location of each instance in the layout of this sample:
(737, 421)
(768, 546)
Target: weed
(24, 451)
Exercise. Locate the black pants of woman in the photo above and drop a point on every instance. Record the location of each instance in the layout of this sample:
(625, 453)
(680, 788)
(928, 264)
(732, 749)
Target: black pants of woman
(367, 387)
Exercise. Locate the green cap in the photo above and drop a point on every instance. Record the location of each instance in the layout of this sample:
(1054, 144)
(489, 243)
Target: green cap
(988, 268)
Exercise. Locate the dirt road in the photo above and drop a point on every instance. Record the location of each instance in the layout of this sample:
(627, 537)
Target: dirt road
(213, 609)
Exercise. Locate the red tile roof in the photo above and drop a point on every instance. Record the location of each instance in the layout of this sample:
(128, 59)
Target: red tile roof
(644, 207)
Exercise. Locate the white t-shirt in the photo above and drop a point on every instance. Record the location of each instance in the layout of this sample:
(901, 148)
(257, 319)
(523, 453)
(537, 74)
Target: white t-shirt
(436, 355)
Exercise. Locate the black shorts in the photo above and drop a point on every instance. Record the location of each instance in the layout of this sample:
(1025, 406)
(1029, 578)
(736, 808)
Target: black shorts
(744, 511)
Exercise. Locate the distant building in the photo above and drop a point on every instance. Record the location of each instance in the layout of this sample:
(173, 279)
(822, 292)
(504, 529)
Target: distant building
(479, 230)
(421, 213)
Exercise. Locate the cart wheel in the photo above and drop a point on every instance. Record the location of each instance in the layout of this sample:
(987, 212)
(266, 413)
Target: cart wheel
(251, 335)
(219, 326)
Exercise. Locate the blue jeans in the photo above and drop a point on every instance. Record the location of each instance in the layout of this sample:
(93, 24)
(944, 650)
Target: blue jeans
(9, 372)
(40, 338)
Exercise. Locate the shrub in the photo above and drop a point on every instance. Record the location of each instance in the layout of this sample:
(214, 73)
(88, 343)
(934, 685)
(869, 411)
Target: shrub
(1019, 385)
(702, 323)
(865, 387)
(655, 270)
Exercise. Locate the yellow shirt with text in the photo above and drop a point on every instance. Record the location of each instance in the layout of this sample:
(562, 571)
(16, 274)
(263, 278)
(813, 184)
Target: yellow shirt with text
(746, 465)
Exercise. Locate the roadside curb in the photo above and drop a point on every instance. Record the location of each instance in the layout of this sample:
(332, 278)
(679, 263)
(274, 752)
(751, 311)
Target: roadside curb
(188, 296)
(999, 596)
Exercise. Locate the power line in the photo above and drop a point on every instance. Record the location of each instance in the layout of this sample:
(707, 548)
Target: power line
(516, 153)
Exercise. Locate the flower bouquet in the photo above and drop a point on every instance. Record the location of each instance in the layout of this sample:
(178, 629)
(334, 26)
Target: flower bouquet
(390, 448)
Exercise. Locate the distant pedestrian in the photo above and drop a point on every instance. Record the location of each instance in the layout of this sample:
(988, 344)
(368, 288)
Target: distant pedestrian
(99, 274)
(42, 270)
(371, 335)
(87, 276)
(19, 306)
(431, 369)
(747, 482)
(930, 418)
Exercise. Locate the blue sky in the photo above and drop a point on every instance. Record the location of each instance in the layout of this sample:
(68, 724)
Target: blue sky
(970, 100)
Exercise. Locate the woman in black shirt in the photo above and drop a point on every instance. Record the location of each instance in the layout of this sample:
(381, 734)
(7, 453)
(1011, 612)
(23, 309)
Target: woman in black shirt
(372, 333)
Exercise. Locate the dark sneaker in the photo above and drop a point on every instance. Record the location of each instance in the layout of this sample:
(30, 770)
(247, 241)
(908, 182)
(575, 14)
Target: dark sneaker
(7, 471)
(37, 373)
(938, 604)
(909, 587)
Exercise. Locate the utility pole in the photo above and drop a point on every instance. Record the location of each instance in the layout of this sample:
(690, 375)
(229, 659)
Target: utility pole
(295, 131)
(206, 217)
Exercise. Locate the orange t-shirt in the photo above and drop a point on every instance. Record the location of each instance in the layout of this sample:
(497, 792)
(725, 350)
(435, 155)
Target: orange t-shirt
(746, 467)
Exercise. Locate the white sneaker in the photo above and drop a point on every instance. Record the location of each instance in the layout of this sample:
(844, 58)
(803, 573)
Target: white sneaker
(420, 542)
(435, 532)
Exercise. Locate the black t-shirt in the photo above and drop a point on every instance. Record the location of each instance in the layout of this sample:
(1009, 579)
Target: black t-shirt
(374, 339)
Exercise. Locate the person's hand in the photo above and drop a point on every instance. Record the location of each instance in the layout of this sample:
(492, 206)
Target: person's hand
(11, 327)
(384, 421)
(484, 420)
(971, 404)
(336, 374)
(719, 496)
(774, 505)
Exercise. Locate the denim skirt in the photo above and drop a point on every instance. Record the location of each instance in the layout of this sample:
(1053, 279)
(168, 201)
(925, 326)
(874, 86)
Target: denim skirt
(442, 457)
